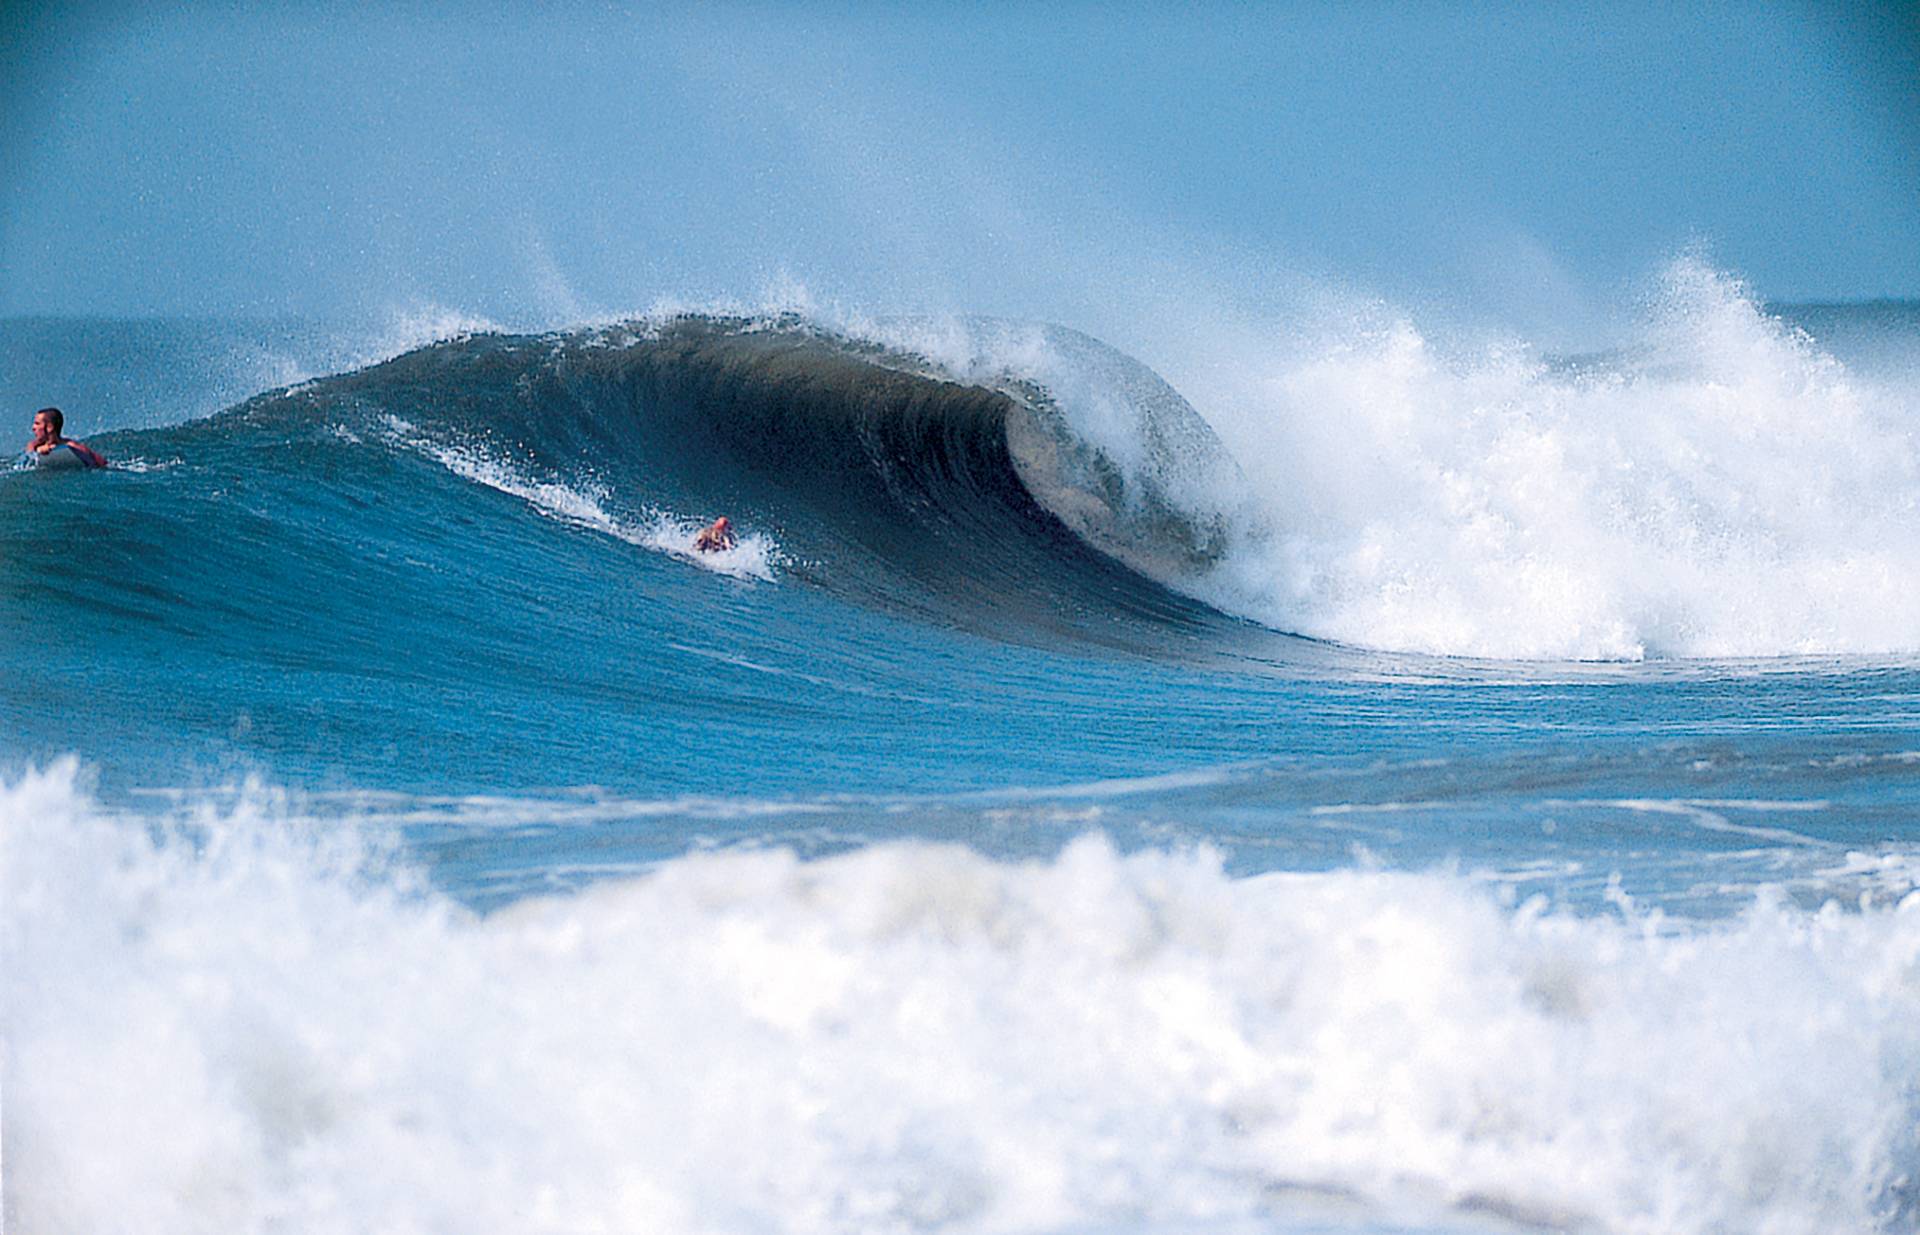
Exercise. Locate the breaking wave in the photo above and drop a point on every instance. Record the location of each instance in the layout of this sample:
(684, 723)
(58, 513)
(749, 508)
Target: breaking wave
(240, 1021)
(1719, 488)
(1722, 487)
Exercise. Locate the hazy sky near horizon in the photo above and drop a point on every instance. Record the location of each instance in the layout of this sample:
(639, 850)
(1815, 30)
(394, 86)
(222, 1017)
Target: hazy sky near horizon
(536, 163)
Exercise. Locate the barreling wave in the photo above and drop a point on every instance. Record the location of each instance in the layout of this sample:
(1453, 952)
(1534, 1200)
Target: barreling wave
(1722, 489)
(866, 469)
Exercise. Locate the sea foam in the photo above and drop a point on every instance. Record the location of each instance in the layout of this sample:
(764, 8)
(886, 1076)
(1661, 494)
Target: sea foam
(247, 1021)
(1721, 488)
(1718, 487)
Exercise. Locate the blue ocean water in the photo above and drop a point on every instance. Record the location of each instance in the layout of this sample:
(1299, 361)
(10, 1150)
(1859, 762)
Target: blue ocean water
(1382, 785)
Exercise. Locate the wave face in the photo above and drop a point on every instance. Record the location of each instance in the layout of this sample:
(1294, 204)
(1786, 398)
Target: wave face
(861, 469)
(249, 1024)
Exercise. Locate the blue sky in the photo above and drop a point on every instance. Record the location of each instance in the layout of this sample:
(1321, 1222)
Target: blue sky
(528, 162)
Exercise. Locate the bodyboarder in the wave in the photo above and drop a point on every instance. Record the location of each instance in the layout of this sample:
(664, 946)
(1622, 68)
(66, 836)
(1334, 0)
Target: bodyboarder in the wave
(716, 537)
(48, 446)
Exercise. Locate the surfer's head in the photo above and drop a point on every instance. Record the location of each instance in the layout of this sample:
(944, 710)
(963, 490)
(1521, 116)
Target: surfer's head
(723, 525)
(47, 424)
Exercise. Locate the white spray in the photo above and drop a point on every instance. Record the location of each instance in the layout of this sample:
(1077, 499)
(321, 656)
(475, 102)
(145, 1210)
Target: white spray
(251, 1029)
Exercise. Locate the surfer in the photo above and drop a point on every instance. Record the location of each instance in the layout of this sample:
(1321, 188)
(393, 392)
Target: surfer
(47, 425)
(716, 537)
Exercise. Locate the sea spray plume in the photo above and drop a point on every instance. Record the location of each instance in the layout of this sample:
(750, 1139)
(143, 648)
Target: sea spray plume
(1721, 488)
(240, 1026)
(397, 330)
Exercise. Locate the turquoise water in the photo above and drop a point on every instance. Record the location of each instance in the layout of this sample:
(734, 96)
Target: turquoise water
(1037, 823)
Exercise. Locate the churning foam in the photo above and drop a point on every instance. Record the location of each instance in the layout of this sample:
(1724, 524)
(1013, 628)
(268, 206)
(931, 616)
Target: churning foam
(1722, 489)
(253, 1026)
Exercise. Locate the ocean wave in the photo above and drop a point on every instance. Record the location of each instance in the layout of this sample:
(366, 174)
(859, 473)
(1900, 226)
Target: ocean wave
(242, 1022)
(1721, 488)
(864, 470)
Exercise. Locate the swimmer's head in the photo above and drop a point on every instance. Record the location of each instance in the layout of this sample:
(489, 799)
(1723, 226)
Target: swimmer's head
(47, 424)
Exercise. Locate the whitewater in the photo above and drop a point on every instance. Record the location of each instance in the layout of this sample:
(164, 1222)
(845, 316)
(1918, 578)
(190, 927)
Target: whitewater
(1718, 486)
(1348, 774)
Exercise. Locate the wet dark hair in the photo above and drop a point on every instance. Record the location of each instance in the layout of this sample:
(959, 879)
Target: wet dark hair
(53, 414)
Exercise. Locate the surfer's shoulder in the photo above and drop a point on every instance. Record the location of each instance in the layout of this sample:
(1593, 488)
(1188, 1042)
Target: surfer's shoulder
(63, 456)
(86, 454)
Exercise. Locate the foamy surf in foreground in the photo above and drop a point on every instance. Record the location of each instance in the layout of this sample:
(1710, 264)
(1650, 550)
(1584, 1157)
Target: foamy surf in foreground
(246, 1025)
